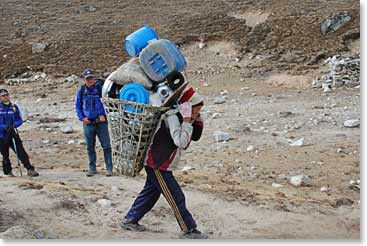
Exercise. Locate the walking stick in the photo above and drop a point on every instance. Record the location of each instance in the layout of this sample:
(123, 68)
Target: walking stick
(16, 151)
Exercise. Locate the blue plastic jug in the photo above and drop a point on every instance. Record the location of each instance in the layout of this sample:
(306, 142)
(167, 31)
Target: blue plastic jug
(134, 92)
(161, 58)
(139, 39)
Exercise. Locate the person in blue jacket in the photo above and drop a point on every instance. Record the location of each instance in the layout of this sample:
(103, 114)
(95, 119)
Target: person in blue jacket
(10, 120)
(90, 111)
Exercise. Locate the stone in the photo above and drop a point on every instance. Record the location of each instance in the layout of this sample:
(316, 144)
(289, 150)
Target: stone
(216, 115)
(324, 189)
(250, 148)
(285, 114)
(219, 100)
(187, 168)
(72, 79)
(223, 93)
(71, 142)
(335, 22)
(48, 119)
(205, 84)
(221, 136)
(343, 202)
(327, 88)
(298, 143)
(300, 180)
(104, 202)
(39, 47)
(201, 45)
(89, 8)
(66, 129)
(275, 185)
(351, 123)
(81, 142)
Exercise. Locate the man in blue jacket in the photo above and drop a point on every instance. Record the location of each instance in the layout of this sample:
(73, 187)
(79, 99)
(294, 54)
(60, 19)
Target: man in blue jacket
(10, 119)
(90, 111)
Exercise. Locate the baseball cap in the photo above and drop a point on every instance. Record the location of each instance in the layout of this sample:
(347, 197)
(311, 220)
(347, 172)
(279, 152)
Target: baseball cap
(4, 92)
(88, 73)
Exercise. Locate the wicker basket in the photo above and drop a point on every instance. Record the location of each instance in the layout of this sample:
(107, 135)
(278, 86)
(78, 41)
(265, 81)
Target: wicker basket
(132, 126)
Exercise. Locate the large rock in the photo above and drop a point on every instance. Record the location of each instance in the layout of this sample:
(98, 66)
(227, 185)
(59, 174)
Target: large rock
(104, 202)
(39, 47)
(300, 180)
(335, 22)
(221, 136)
(72, 78)
(26, 232)
(68, 128)
(219, 100)
(298, 143)
(351, 123)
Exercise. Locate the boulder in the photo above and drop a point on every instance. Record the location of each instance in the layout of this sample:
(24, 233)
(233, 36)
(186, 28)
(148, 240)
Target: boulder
(298, 143)
(67, 129)
(351, 123)
(219, 100)
(221, 136)
(300, 180)
(39, 47)
(335, 22)
(104, 202)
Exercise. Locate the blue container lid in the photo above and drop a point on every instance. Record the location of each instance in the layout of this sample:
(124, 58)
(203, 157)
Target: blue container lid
(134, 92)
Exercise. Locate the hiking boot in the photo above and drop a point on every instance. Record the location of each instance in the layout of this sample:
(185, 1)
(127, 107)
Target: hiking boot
(131, 226)
(91, 173)
(32, 173)
(108, 173)
(194, 234)
(10, 174)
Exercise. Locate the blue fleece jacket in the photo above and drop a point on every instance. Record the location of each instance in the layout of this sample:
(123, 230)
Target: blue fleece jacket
(89, 105)
(10, 116)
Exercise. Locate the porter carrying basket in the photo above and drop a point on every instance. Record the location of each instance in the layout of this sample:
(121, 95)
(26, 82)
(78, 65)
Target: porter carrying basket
(132, 126)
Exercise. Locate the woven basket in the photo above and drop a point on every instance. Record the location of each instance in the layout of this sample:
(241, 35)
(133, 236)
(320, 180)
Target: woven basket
(132, 126)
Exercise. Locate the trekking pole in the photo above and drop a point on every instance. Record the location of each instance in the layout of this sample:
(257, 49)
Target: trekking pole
(16, 151)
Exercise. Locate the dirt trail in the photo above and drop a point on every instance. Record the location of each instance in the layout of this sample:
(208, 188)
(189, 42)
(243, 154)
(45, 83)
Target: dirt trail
(229, 190)
(68, 200)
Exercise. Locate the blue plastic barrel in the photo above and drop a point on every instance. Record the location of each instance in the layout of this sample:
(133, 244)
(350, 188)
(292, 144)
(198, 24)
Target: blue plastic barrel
(134, 92)
(139, 39)
(161, 58)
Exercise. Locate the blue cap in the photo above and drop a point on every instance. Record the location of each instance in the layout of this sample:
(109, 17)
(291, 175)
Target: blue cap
(88, 73)
(4, 92)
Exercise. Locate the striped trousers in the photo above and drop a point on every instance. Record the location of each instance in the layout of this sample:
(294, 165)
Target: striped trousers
(164, 182)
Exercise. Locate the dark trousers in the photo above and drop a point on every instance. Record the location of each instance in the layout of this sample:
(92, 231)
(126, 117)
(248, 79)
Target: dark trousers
(158, 182)
(5, 144)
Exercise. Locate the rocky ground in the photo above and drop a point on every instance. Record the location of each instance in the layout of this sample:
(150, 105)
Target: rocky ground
(259, 101)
